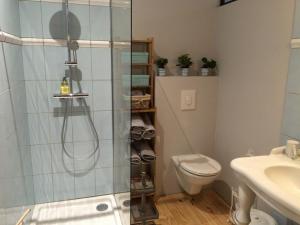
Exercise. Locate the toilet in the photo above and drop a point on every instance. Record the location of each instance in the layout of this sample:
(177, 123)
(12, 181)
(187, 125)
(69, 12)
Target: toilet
(194, 171)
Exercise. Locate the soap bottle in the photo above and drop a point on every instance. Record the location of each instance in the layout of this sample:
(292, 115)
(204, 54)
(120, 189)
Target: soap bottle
(64, 87)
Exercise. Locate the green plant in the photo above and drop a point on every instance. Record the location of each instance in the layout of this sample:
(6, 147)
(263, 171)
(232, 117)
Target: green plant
(209, 64)
(184, 61)
(161, 62)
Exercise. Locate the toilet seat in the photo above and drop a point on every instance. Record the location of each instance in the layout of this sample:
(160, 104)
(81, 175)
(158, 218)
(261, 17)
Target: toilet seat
(199, 165)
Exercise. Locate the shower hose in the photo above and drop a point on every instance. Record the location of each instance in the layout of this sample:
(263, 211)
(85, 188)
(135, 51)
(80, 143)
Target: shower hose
(72, 46)
(65, 128)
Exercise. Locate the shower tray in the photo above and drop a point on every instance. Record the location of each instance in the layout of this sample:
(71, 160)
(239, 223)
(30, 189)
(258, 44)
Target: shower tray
(77, 212)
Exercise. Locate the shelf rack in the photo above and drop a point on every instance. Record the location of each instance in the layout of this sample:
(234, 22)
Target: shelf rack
(145, 45)
(143, 207)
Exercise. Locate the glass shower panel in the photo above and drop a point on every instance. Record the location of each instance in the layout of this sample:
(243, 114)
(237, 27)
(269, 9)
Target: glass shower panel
(121, 66)
(16, 186)
(70, 139)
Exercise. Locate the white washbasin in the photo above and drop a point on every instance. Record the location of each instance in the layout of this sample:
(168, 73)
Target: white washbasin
(274, 178)
(285, 177)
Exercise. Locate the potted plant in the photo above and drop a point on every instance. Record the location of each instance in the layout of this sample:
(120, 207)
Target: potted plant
(161, 64)
(184, 62)
(208, 67)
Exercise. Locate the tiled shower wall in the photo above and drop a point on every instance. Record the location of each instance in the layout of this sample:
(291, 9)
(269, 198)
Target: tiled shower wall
(57, 177)
(16, 186)
(291, 120)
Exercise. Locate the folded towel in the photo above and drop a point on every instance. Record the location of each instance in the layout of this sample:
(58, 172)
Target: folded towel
(135, 158)
(148, 155)
(137, 123)
(149, 130)
(136, 136)
(146, 152)
(137, 127)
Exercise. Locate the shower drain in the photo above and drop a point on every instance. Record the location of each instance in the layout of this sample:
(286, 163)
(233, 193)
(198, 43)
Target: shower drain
(102, 207)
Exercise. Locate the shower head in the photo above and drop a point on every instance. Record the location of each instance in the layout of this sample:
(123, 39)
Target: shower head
(65, 24)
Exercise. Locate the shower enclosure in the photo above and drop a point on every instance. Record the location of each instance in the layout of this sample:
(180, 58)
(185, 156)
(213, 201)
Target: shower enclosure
(65, 157)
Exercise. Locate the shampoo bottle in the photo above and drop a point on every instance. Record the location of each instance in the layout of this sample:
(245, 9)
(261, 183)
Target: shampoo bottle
(64, 87)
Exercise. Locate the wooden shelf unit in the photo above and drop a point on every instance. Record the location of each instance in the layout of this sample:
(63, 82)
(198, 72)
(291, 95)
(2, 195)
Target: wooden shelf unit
(146, 45)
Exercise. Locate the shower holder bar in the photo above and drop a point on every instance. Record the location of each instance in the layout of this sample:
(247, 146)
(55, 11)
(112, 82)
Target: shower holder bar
(71, 96)
(71, 64)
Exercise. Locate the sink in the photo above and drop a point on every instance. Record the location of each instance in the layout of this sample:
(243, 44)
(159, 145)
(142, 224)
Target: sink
(286, 177)
(274, 178)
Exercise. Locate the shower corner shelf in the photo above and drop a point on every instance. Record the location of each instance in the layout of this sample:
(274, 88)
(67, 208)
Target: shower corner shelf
(71, 96)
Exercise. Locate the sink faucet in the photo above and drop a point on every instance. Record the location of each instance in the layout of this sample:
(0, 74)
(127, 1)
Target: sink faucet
(292, 149)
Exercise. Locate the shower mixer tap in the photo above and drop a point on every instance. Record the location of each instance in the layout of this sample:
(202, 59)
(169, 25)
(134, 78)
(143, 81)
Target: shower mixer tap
(73, 46)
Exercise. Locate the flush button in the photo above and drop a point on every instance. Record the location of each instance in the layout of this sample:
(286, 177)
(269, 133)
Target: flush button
(188, 99)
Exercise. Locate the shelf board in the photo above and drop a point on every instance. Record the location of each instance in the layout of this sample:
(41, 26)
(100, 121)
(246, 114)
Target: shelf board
(143, 110)
(141, 64)
(147, 223)
(141, 87)
(135, 195)
(142, 41)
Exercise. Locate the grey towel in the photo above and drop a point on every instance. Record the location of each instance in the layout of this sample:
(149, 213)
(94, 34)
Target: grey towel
(146, 152)
(135, 158)
(137, 123)
(149, 130)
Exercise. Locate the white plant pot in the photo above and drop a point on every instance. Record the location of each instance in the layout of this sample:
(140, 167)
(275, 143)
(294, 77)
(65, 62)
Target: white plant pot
(204, 71)
(161, 72)
(184, 71)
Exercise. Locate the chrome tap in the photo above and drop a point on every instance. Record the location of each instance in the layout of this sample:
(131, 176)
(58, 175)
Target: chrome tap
(292, 149)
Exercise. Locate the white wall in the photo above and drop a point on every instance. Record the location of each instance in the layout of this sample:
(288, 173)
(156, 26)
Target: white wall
(178, 27)
(183, 132)
(253, 54)
(250, 40)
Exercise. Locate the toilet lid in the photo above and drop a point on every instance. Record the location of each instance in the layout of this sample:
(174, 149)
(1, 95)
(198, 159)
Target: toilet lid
(200, 165)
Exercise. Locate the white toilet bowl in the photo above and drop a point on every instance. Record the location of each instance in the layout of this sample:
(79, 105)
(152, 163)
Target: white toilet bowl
(194, 171)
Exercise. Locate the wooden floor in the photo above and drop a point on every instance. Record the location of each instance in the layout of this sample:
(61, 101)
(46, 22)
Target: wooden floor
(179, 209)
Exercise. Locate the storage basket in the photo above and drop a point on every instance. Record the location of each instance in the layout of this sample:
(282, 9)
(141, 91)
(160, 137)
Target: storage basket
(135, 57)
(140, 57)
(136, 80)
(139, 101)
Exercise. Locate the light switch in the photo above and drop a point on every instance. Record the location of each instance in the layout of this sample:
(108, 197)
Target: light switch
(188, 99)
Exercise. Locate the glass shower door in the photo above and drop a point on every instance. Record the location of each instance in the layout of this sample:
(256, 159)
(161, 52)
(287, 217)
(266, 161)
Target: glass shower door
(121, 69)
